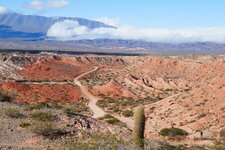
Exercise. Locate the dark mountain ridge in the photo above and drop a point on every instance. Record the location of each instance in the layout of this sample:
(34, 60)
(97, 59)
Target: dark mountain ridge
(36, 24)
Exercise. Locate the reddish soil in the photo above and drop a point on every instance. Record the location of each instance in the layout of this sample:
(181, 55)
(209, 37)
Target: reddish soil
(31, 93)
(53, 70)
(112, 89)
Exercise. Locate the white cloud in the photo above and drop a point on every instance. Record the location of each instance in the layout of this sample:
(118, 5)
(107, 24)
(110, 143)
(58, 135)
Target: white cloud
(39, 5)
(66, 29)
(112, 22)
(3, 10)
(36, 5)
(57, 3)
(71, 30)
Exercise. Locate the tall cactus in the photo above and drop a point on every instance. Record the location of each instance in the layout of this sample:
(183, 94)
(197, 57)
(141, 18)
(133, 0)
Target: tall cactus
(139, 126)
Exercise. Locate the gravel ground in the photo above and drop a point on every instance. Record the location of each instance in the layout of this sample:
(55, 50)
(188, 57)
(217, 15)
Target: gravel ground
(14, 137)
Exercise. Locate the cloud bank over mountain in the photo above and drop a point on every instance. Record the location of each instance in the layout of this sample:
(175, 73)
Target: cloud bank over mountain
(39, 5)
(71, 30)
(112, 22)
(3, 10)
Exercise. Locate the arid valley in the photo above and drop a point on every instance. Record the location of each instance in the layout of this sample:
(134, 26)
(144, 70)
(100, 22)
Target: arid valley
(98, 93)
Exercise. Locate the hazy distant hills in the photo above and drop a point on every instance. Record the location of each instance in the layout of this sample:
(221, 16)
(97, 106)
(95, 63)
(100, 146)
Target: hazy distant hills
(20, 26)
(116, 46)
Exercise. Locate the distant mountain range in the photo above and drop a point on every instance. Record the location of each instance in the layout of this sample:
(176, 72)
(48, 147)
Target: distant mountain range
(28, 32)
(13, 25)
(115, 46)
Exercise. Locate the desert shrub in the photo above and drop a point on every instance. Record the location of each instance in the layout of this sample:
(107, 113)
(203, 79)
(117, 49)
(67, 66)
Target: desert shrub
(222, 133)
(128, 113)
(116, 109)
(24, 123)
(116, 105)
(218, 147)
(101, 95)
(42, 105)
(56, 105)
(201, 115)
(102, 103)
(29, 107)
(111, 100)
(47, 129)
(113, 121)
(220, 141)
(72, 111)
(43, 116)
(5, 97)
(106, 116)
(76, 108)
(49, 148)
(172, 132)
(69, 111)
(13, 113)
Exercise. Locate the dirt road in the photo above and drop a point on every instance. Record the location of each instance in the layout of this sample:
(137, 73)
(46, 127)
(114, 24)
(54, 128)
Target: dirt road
(97, 111)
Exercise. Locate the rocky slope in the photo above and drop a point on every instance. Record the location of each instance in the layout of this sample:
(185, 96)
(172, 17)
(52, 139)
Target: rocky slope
(192, 88)
(15, 137)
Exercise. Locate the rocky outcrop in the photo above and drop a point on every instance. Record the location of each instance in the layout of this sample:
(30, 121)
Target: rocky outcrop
(10, 63)
(100, 60)
(85, 123)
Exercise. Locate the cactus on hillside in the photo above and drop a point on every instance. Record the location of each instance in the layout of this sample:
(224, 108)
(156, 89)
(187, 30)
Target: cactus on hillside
(139, 126)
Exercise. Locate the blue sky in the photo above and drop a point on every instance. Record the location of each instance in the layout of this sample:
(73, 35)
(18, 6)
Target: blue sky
(149, 20)
(170, 14)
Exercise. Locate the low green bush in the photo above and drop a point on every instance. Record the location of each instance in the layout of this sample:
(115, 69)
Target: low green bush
(24, 123)
(42, 105)
(116, 109)
(172, 132)
(76, 108)
(106, 116)
(47, 129)
(43, 116)
(29, 107)
(113, 121)
(69, 112)
(201, 115)
(128, 113)
(5, 97)
(222, 133)
(13, 113)
(218, 147)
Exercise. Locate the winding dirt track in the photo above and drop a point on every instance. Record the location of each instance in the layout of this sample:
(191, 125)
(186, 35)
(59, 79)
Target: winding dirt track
(97, 111)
